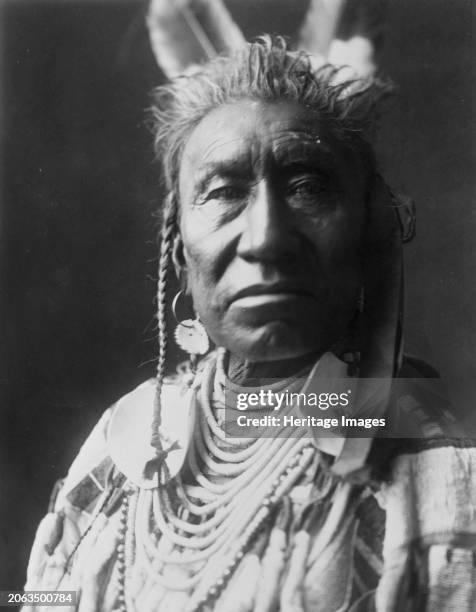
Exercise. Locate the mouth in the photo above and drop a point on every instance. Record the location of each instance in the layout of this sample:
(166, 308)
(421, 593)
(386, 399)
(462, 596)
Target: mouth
(270, 293)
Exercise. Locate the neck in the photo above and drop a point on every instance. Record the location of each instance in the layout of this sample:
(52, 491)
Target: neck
(243, 372)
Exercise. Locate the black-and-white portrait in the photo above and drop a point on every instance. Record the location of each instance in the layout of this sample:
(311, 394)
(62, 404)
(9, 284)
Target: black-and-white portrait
(237, 289)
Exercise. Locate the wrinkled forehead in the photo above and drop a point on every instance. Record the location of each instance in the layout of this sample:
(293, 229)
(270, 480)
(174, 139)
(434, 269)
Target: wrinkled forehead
(249, 136)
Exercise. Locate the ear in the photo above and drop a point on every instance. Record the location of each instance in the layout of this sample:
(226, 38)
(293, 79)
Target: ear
(179, 262)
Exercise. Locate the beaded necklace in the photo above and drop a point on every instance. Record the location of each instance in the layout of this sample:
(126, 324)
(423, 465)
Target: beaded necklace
(190, 536)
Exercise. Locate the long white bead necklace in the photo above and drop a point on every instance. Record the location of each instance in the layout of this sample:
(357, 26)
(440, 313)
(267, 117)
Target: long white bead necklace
(205, 527)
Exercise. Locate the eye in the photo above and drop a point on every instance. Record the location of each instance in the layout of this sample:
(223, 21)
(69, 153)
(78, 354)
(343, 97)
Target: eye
(226, 193)
(307, 186)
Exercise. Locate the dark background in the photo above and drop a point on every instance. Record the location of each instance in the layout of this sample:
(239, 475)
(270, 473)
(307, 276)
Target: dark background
(79, 193)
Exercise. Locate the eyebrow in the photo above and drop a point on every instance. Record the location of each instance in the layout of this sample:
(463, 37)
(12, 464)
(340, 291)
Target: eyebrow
(232, 168)
(299, 149)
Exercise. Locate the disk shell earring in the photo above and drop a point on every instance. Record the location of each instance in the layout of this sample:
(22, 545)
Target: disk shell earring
(190, 334)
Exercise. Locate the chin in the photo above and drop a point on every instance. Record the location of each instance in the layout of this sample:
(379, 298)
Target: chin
(273, 342)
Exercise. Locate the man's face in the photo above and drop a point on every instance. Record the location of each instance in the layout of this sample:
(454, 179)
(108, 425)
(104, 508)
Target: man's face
(271, 210)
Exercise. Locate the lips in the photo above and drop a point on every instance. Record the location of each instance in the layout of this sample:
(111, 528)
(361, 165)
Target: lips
(274, 290)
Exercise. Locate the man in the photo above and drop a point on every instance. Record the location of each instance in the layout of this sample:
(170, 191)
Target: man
(286, 240)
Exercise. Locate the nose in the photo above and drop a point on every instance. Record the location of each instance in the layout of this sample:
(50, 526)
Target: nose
(268, 230)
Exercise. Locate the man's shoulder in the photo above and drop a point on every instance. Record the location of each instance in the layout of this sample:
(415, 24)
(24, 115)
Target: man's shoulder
(119, 442)
(420, 419)
(430, 473)
(88, 473)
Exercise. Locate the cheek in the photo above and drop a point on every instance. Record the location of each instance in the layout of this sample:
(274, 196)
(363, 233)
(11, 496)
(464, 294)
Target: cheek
(198, 273)
(338, 250)
(208, 248)
(201, 264)
(337, 241)
(195, 249)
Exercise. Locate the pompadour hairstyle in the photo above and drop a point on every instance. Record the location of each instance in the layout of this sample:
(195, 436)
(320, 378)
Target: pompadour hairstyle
(265, 70)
